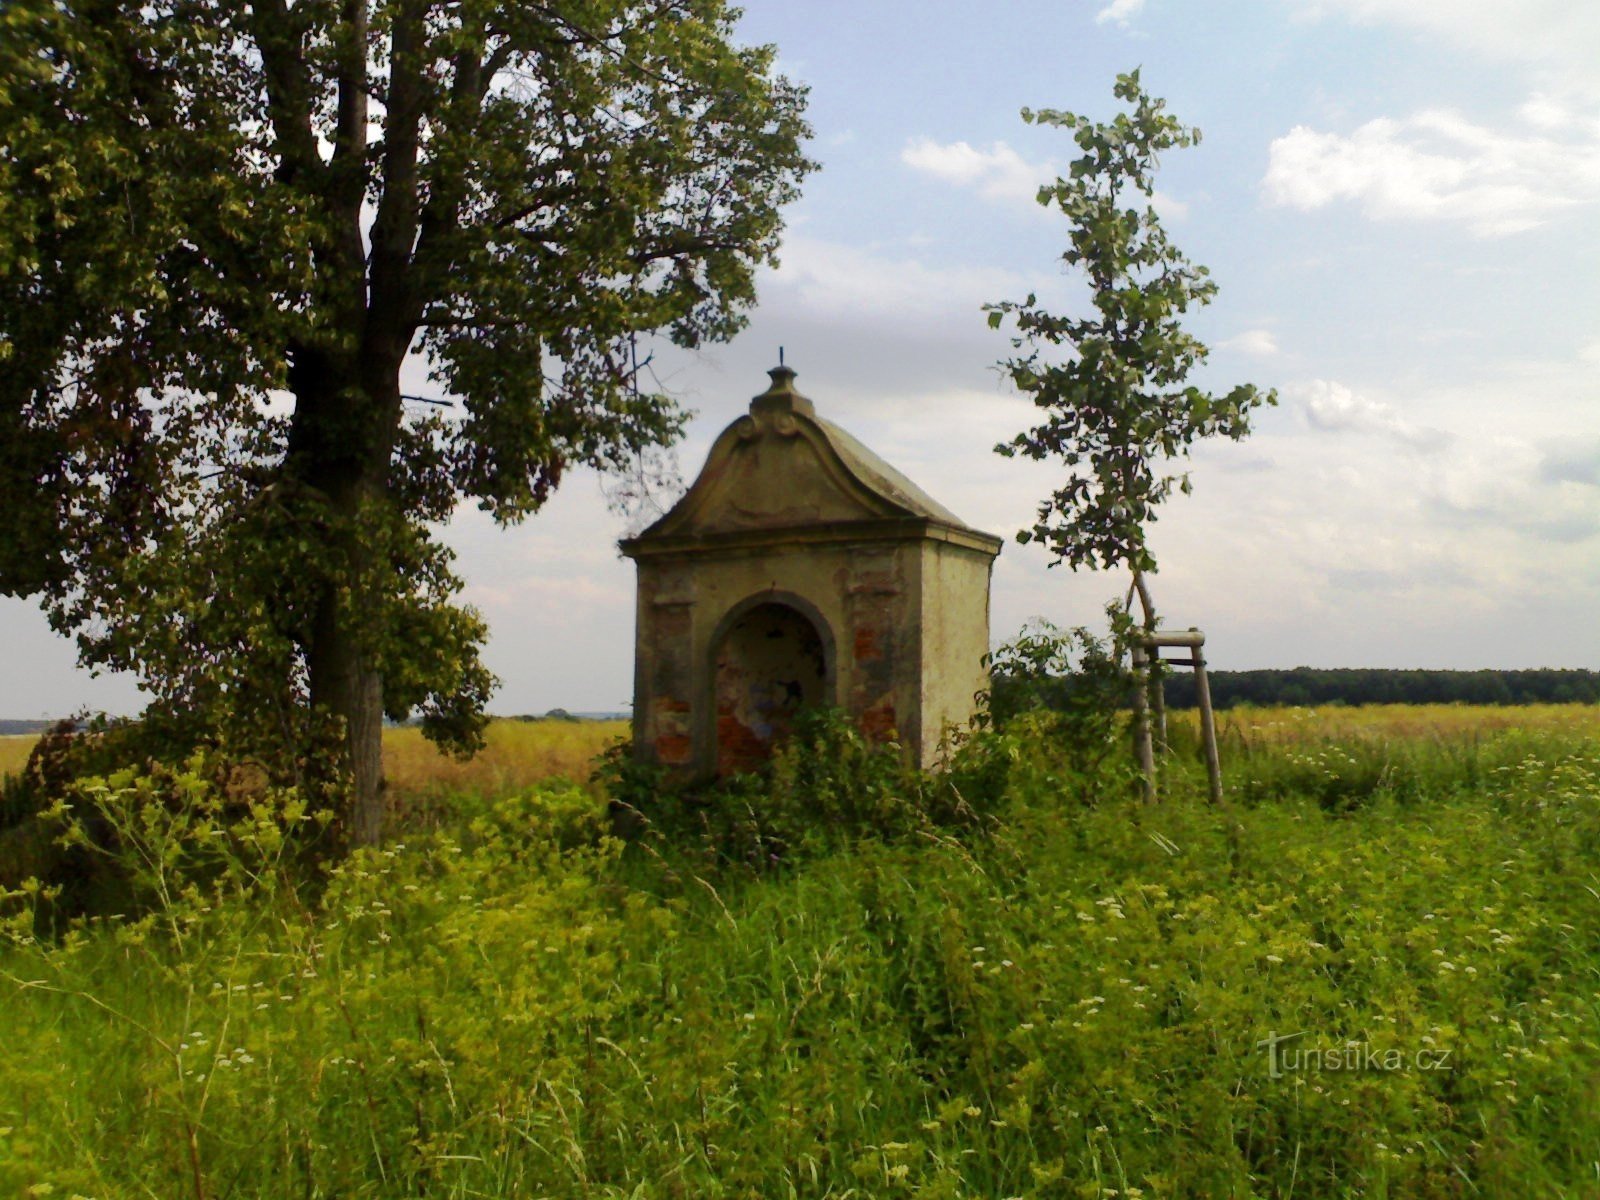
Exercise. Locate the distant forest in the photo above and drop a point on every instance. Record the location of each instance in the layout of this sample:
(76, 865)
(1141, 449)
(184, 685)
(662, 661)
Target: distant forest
(1310, 686)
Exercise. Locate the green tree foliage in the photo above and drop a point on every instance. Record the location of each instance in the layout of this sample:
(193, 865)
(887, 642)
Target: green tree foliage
(1119, 408)
(223, 228)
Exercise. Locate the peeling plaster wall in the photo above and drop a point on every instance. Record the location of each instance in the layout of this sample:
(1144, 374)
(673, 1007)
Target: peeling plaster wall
(663, 666)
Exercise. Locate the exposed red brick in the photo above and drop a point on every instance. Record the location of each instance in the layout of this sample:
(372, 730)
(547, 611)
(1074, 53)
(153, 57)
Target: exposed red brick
(866, 643)
(673, 749)
(877, 722)
(738, 747)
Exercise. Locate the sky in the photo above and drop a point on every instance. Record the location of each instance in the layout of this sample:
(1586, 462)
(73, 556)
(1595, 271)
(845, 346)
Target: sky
(1400, 203)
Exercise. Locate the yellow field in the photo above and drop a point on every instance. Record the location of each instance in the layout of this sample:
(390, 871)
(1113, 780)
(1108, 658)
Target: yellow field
(521, 752)
(14, 751)
(1389, 722)
(518, 752)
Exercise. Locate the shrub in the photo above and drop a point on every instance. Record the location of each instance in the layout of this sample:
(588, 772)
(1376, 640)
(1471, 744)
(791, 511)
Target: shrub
(78, 748)
(826, 787)
(1061, 695)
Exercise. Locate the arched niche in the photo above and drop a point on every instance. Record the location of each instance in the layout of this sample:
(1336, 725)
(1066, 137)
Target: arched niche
(771, 657)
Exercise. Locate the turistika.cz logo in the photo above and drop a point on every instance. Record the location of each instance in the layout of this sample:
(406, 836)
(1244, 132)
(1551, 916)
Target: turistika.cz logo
(1352, 1055)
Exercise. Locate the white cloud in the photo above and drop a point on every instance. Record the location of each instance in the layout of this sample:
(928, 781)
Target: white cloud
(1334, 408)
(1437, 165)
(1548, 112)
(1356, 549)
(835, 279)
(1487, 478)
(1523, 492)
(1259, 343)
(1170, 207)
(1560, 38)
(1572, 462)
(999, 173)
(1507, 483)
(1120, 11)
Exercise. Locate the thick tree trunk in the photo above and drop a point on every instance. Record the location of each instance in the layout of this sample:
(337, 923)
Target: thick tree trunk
(347, 388)
(340, 445)
(346, 686)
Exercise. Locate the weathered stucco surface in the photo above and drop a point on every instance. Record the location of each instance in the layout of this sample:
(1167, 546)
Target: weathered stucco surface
(800, 569)
(769, 665)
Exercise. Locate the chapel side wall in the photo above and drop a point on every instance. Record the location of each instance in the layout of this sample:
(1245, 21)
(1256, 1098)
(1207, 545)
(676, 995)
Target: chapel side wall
(955, 638)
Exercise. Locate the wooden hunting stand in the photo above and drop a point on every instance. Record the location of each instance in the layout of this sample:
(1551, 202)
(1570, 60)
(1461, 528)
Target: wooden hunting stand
(1149, 693)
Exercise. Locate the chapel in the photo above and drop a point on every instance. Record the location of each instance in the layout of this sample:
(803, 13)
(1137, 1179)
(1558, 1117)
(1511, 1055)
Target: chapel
(801, 570)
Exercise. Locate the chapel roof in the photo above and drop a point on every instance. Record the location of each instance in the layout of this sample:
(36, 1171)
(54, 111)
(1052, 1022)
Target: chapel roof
(783, 468)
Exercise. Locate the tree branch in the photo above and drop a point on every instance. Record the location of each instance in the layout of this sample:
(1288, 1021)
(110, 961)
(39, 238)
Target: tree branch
(348, 168)
(441, 216)
(686, 244)
(277, 36)
(394, 230)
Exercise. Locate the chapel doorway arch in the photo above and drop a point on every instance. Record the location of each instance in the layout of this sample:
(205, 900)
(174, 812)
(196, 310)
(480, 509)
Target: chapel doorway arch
(770, 660)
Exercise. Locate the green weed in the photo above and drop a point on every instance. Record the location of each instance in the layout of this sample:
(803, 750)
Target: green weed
(1060, 1000)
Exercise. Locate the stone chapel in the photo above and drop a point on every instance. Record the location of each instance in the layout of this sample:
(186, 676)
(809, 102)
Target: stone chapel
(801, 570)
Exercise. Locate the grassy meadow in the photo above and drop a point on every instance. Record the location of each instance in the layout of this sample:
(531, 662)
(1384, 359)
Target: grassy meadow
(1375, 972)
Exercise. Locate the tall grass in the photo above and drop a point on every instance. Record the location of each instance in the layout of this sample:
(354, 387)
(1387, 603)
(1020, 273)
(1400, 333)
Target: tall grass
(521, 752)
(1070, 1005)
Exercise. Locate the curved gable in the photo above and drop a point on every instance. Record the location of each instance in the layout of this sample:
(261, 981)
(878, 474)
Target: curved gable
(770, 471)
(782, 467)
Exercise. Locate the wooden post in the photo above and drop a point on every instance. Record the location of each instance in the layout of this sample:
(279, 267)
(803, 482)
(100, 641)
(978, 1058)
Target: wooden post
(1158, 703)
(1141, 721)
(1208, 726)
(1155, 685)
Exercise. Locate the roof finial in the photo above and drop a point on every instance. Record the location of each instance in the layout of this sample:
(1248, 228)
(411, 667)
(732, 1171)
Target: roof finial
(781, 394)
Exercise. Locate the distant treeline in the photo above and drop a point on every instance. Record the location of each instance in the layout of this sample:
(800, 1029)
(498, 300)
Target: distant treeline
(18, 728)
(1310, 686)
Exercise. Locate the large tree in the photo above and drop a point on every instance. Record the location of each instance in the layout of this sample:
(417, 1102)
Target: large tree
(224, 228)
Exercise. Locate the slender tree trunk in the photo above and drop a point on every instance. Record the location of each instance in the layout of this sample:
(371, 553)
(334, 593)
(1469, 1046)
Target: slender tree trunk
(1150, 699)
(1158, 690)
